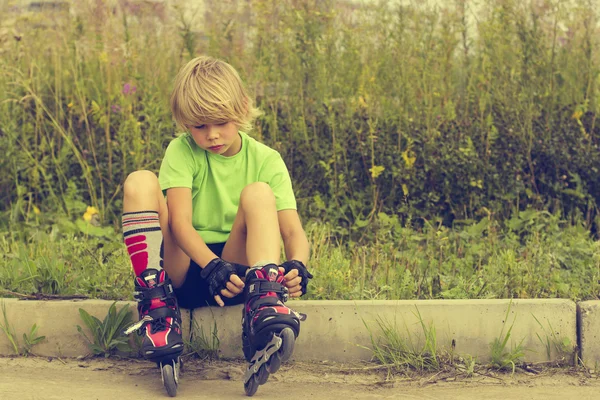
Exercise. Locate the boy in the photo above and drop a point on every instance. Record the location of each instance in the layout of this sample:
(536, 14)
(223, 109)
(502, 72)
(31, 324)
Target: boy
(228, 200)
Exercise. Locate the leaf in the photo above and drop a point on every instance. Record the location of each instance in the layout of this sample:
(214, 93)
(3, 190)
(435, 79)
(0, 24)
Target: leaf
(99, 231)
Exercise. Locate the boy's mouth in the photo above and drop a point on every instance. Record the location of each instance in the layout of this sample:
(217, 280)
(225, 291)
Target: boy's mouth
(215, 148)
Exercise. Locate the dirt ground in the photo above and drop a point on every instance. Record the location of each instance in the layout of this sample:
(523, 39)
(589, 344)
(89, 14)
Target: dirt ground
(42, 378)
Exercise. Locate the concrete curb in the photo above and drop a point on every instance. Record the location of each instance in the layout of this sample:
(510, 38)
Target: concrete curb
(58, 320)
(336, 330)
(588, 319)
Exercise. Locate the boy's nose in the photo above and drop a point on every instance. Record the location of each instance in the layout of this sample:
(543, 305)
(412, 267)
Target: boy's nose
(213, 132)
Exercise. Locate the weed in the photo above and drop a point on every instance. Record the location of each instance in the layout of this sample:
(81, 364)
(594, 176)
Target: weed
(202, 345)
(29, 340)
(9, 331)
(107, 335)
(501, 357)
(402, 353)
(551, 341)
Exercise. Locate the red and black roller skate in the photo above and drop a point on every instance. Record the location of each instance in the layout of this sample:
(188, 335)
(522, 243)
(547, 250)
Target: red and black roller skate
(159, 324)
(269, 328)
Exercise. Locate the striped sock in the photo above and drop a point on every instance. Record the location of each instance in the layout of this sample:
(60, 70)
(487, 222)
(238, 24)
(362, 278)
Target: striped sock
(143, 237)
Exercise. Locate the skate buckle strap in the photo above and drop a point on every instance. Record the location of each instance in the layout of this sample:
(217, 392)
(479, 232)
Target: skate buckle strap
(258, 288)
(138, 325)
(262, 287)
(163, 312)
(158, 292)
(153, 315)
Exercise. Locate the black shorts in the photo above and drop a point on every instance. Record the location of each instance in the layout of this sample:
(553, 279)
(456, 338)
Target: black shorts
(194, 291)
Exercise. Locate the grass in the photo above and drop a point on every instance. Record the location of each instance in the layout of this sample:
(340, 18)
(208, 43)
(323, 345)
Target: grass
(548, 258)
(561, 346)
(204, 346)
(401, 353)
(504, 357)
(29, 339)
(9, 330)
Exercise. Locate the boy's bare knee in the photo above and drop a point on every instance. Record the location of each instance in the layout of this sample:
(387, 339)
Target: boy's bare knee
(257, 193)
(140, 182)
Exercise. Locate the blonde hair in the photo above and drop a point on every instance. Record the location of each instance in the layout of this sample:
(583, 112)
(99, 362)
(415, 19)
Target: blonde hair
(210, 91)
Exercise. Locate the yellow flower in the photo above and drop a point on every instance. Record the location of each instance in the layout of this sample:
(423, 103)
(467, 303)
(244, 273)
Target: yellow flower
(577, 114)
(89, 213)
(409, 158)
(405, 189)
(362, 102)
(376, 171)
(36, 210)
(70, 105)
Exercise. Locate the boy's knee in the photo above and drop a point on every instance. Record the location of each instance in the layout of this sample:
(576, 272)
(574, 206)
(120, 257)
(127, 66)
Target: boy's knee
(257, 192)
(140, 181)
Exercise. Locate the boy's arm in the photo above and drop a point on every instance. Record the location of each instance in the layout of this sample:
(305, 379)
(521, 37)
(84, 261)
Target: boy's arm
(294, 238)
(179, 203)
(296, 248)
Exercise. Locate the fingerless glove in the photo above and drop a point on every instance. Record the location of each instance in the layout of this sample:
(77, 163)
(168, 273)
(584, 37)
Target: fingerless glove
(302, 272)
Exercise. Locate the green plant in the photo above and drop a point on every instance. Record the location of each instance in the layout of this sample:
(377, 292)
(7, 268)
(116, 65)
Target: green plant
(469, 363)
(561, 345)
(9, 331)
(399, 352)
(204, 346)
(501, 357)
(107, 335)
(29, 340)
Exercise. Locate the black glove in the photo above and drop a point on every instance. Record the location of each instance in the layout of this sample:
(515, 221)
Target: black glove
(217, 274)
(302, 272)
(240, 269)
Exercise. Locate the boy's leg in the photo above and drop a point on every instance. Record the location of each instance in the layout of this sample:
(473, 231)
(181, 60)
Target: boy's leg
(269, 328)
(142, 194)
(255, 236)
(145, 225)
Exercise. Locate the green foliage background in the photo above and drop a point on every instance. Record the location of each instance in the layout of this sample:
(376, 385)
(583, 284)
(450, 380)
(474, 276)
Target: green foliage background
(393, 120)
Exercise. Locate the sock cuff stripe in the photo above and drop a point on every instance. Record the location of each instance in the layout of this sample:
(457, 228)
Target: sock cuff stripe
(141, 221)
(141, 230)
(127, 218)
(140, 212)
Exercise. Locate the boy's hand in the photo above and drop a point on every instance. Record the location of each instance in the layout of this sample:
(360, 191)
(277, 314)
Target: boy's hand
(222, 280)
(296, 277)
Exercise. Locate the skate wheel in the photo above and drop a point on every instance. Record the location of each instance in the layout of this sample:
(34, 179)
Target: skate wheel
(263, 374)
(169, 379)
(251, 386)
(274, 363)
(287, 347)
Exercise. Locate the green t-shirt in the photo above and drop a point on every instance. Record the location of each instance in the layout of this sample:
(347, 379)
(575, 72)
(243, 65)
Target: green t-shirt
(217, 181)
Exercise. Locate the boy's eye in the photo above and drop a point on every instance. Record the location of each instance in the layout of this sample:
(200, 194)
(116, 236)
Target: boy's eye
(199, 126)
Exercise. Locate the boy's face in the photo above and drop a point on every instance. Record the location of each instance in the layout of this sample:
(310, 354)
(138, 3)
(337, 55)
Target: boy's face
(220, 139)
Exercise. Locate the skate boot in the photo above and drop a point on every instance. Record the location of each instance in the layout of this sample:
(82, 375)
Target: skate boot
(159, 324)
(269, 328)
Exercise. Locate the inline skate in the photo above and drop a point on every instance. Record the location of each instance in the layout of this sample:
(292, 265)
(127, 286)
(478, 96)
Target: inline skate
(160, 325)
(269, 328)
